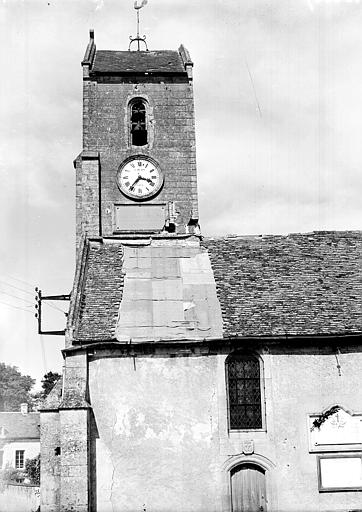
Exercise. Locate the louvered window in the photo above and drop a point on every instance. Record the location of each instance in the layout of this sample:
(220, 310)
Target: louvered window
(138, 123)
(244, 390)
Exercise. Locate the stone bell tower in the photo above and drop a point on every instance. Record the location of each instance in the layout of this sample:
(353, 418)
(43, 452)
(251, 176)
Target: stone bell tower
(137, 171)
(143, 290)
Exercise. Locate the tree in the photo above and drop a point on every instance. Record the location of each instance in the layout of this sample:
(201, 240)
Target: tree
(48, 382)
(14, 388)
(32, 469)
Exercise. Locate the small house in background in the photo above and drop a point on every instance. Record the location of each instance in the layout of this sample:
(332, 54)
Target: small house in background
(19, 437)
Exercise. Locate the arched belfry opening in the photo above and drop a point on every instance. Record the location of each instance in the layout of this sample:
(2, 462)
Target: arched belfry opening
(138, 123)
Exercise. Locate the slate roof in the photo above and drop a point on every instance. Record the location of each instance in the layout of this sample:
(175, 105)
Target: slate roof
(100, 292)
(161, 62)
(300, 284)
(20, 426)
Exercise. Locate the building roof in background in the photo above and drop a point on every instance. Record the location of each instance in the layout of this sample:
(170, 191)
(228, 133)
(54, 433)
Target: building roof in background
(296, 285)
(19, 426)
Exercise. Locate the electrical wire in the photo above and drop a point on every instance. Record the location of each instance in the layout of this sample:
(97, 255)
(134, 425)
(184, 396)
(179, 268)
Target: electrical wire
(15, 307)
(17, 288)
(43, 353)
(20, 281)
(16, 297)
(253, 86)
(26, 291)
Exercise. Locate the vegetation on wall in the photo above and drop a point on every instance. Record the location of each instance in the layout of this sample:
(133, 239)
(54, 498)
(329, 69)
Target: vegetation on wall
(32, 469)
(318, 422)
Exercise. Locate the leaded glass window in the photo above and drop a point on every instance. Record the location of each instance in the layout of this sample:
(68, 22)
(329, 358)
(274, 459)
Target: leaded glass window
(244, 388)
(138, 123)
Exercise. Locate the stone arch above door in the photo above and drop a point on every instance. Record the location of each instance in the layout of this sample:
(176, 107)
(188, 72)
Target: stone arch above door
(248, 484)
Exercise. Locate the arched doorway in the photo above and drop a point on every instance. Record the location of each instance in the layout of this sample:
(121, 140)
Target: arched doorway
(248, 488)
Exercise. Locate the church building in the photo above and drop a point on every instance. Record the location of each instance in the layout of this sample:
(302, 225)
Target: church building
(200, 374)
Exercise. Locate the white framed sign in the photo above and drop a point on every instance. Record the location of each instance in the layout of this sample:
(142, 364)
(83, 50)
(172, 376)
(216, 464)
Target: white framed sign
(341, 472)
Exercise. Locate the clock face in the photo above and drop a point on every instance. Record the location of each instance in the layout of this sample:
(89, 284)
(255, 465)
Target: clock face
(140, 177)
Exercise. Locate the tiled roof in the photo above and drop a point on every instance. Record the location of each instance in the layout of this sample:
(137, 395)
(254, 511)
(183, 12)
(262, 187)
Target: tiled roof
(300, 284)
(101, 292)
(163, 61)
(20, 426)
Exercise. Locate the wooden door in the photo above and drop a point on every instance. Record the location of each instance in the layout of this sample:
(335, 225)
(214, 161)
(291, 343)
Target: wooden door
(248, 489)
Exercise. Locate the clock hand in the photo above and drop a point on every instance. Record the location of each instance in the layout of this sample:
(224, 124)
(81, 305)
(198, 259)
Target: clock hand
(134, 183)
(146, 179)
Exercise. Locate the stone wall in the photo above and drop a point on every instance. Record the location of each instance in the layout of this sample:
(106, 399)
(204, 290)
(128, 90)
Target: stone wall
(171, 142)
(19, 498)
(50, 460)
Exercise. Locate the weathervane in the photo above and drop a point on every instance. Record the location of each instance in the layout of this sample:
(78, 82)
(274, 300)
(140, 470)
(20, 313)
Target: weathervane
(139, 39)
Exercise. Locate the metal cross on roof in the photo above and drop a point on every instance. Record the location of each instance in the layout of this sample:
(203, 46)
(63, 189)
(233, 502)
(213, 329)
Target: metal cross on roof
(138, 38)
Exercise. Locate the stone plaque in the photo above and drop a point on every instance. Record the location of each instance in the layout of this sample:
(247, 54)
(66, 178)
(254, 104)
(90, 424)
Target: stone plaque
(248, 447)
(139, 217)
(339, 431)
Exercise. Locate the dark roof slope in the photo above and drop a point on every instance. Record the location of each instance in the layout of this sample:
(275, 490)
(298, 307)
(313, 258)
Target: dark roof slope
(101, 293)
(162, 61)
(300, 284)
(20, 426)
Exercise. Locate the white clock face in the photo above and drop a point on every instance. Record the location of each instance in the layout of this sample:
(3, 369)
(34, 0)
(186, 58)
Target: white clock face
(140, 177)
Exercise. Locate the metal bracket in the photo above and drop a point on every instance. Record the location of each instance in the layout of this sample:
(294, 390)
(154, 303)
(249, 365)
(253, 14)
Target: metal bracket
(39, 299)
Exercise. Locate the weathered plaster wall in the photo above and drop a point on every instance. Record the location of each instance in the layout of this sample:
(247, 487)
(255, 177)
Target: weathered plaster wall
(158, 439)
(163, 432)
(303, 383)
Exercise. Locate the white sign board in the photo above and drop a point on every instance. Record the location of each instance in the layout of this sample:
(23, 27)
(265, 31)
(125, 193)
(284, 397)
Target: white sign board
(340, 473)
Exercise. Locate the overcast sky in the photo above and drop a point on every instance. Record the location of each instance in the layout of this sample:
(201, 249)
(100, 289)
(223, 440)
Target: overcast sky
(278, 94)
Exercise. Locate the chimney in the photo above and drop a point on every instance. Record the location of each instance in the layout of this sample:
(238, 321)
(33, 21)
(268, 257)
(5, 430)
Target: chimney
(24, 409)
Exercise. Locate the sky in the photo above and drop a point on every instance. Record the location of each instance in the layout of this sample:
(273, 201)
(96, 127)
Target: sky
(278, 102)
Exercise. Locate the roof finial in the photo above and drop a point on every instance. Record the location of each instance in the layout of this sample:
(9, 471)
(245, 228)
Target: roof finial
(139, 39)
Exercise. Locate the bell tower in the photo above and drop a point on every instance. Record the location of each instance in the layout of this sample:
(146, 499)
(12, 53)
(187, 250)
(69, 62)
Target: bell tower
(143, 290)
(136, 174)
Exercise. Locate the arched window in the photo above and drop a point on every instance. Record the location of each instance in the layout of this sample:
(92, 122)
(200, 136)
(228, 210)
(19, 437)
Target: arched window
(138, 123)
(244, 385)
